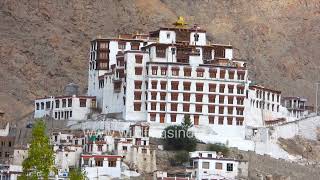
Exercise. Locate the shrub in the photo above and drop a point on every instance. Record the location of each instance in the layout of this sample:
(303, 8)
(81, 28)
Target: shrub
(176, 137)
(180, 158)
(218, 147)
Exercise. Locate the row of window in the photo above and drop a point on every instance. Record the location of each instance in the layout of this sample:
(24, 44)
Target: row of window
(187, 96)
(268, 96)
(198, 108)
(263, 105)
(63, 115)
(200, 72)
(99, 163)
(218, 165)
(43, 105)
(211, 119)
(187, 86)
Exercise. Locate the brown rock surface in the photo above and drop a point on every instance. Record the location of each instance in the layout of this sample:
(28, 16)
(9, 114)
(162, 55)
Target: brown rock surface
(44, 44)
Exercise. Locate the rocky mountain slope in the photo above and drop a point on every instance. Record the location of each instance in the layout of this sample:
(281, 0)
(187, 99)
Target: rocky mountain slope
(44, 44)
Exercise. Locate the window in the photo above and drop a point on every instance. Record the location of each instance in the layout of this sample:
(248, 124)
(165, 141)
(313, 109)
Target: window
(135, 46)
(212, 98)
(57, 103)
(152, 117)
(230, 89)
(137, 84)
(138, 58)
(230, 110)
(221, 99)
(199, 108)
(240, 89)
(239, 121)
(154, 70)
(112, 163)
(6, 154)
(199, 86)
(137, 106)
(231, 74)
(102, 55)
(211, 109)
(186, 97)
(163, 96)
(213, 73)
(124, 148)
(212, 88)
(42, 105)
(174, 96)
(161, 52)
(205, 165)
(168, 35)
(103, 45)
(154, 84)
(122, 45)
(138, 70)
(207, 53)
(37, 106)
(240, 101)
(48, 105)
(174, 107)
(229, 120)
(221, 110)
(162, 106)
(199, 97)
(100, 148)
(200, 72)
(221, 88)
(230, 100)
(153, 95)
(241, 75)
(211, 119)
(220, 120)
(187, 72)
(163, 85)
(144, 151)
(229, 167)
(175, 71)
(83, 102)
(69, 102)
(153, 106)
(137, 95)
(174, 85)
(239, 111)
(173, 117)
(186, 107)
(163, 70)
(9, 144)
(186, 86)
(222, 74)
(218, 165)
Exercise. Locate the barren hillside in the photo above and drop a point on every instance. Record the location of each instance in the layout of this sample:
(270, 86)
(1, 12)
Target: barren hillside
(44, 44)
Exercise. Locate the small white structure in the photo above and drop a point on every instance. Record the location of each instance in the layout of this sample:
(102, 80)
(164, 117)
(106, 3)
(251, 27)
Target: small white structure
(296, 106)
(98, 166)
(65, 107)
(210, 165)
(10, 172)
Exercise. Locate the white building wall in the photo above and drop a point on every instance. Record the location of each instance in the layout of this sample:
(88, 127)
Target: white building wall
(167, 37)
(201, 41)
(228, 53)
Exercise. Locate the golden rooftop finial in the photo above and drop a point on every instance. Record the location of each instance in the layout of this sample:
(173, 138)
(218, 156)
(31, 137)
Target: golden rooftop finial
(180, 23)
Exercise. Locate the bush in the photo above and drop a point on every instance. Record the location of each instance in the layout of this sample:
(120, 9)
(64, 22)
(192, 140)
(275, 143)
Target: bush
(218, 147)
(180, 158)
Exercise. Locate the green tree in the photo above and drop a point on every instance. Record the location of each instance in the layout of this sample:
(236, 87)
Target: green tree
(187, 122)
(180, 158)
(76, 174)
(178, 137)
(40, 160)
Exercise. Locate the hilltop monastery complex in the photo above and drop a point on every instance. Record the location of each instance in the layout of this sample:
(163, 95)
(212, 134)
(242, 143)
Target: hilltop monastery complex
(162, 76)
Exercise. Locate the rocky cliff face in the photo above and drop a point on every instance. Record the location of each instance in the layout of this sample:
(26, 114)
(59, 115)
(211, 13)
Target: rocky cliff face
(44, 44)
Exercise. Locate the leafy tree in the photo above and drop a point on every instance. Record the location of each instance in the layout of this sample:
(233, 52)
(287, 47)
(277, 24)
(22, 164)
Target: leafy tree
(178, 137)
(219, 147)
(40, 160)
(77, 174)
